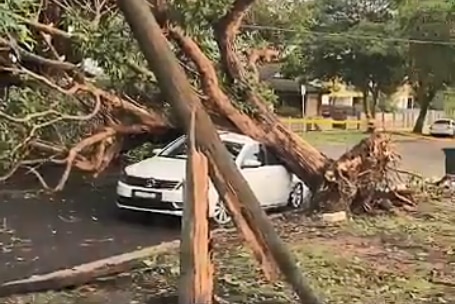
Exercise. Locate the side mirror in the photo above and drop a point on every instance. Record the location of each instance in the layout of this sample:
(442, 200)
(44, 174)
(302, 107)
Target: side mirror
(251, 163)
(157, 151)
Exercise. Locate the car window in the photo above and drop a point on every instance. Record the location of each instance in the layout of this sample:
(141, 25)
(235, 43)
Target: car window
(442, 122)
(256, 153)
(179, 150)
(271, 159)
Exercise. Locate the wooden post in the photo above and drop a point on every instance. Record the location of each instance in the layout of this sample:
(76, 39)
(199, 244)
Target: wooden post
(177, 90)
(196, 267)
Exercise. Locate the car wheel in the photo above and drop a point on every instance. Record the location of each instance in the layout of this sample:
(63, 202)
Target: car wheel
(297, 198)
(221, 214)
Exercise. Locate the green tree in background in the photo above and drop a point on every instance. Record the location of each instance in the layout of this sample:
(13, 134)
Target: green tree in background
(428, 24)
(348, 41)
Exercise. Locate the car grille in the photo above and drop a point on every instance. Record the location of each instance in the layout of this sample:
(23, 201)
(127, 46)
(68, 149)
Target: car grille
(145, 203)
(145, 182)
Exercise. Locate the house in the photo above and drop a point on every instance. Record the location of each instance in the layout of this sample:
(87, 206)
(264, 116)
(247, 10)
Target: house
(342, 101)
(294, 99)
(336, 100)
(402, 98)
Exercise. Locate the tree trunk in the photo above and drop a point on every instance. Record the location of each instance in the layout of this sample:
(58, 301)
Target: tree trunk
(196, 265)
(374, 103)
(424, 98)
(365, 104)
(179, 93)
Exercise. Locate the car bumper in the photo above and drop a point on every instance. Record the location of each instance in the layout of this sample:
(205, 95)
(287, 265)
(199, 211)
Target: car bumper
(151, 210)
(442, 132)
(170, 202)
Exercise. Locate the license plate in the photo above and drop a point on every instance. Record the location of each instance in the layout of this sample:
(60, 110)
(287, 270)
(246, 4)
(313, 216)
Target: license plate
(146, 194)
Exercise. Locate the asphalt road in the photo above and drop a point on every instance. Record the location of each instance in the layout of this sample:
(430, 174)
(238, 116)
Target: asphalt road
(39, 234)
(423, 156)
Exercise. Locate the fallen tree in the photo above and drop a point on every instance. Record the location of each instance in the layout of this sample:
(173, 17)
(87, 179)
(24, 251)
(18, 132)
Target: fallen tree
(111, 113)
(337, 185)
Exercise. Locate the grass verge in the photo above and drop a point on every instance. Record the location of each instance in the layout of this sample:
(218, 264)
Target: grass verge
(348, 137)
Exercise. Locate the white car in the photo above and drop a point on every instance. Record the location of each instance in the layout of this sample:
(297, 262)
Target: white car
(155, 184)
(443, 127)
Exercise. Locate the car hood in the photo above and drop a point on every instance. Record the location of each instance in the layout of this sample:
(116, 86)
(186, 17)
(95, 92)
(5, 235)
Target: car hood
(159, 167)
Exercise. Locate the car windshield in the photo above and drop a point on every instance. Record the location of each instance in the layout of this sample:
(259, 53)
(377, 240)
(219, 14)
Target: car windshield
(179, 150)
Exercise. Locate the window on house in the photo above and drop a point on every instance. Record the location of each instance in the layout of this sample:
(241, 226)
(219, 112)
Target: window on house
(410, 102)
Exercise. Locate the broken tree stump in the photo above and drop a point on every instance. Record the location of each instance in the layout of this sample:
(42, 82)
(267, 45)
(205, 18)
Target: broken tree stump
(196, 267)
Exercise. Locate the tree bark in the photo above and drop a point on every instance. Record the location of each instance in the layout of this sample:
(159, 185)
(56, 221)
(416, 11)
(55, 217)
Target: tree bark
(178, 91)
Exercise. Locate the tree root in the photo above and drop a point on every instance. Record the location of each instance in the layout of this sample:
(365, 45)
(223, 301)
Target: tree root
(363, 180)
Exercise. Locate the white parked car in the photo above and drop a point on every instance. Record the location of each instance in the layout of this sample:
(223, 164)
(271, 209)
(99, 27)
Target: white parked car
(443, 127)
(155, 184)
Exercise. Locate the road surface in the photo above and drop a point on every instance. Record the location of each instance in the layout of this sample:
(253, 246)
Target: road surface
(39, 234)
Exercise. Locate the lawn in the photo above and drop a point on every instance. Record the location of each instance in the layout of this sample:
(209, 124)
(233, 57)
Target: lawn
(334, 137)
(385, 259)
(345, 137)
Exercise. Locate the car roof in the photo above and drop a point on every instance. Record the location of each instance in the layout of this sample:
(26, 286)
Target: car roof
(236, 137)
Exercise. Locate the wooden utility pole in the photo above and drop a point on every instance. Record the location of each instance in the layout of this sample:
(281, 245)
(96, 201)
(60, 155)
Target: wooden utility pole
(224, 173)
(196, 267)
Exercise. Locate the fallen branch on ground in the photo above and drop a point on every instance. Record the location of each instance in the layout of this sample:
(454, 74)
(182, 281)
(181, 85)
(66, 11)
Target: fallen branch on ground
(85, 273)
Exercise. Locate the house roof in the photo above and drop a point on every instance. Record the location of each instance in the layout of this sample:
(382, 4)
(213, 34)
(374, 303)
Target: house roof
(268, 73)
(285, 85)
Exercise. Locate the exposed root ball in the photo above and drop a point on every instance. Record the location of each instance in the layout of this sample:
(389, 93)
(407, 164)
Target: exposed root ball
(363, 180)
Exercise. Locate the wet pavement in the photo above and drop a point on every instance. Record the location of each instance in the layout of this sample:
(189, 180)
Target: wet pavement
(43, 233)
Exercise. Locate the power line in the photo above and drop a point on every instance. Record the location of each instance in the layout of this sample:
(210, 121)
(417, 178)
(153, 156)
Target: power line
(347, 35)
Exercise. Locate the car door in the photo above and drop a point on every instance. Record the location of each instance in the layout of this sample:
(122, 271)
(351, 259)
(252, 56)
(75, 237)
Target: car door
(256, 173)
(281, 179)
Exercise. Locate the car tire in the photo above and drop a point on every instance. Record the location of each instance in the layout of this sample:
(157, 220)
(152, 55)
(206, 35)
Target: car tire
(298, 198)
(221, 216)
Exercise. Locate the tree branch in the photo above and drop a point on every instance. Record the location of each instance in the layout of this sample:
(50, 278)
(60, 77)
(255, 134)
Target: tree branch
(210, 83)
(225, 31)
(24, 56)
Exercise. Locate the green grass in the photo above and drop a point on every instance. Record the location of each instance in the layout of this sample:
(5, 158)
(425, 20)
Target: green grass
(334, 137)
(385, 259)
(343, 137)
